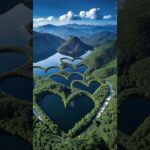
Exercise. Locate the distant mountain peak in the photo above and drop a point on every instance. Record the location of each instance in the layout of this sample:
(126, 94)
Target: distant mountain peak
(74, 47)
(74, 38)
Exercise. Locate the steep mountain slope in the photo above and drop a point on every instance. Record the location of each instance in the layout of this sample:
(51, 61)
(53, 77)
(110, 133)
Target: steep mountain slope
(101, 56)
(99, 39)
(9, 4)
(13, 26)
(74, 47)
(45, 45)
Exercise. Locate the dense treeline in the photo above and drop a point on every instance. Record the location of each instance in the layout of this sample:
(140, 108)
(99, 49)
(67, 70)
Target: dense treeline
(100, 131)
(16, 117)
(134, 62)
(46, 86)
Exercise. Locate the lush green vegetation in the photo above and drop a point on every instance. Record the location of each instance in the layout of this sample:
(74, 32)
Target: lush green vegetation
(133, 63)
(100, 131)
(44, 137)
(52, 135)
(16, 117)
(16, 114)
(101, 56)
(99, 39)
(46, 86)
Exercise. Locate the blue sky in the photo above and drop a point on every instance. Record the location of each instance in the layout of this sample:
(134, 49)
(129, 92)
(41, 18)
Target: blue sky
(75, 11)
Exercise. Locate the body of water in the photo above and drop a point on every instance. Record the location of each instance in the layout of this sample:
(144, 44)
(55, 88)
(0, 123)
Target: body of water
(11, 60)
(67, 82)
(91, 88)
(132, 113)
(54, 60)
(42, 73)
(18, 87)
(80, 69)
(66, 118)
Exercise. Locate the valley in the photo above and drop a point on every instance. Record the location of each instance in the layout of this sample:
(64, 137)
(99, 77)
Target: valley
(16, 82)
(74, 68)
(74, 81)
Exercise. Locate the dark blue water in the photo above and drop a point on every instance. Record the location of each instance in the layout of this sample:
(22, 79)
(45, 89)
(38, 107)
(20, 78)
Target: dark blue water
(66, 117)
(42, 73)
(11, 60)
(91, 89)
(18, 87)
(132, 113)
(64, 81)
(52, 71)
(10, 142)
(39, 72)
(80, 69)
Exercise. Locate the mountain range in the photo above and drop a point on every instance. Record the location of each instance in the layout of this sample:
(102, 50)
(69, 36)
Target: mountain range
(65, 31)
(46, 44)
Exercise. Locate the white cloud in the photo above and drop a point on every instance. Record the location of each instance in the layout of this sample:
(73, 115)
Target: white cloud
(107, 17)
(38, 19)
(82, 14)
(63, 18)
(42, 21)
(50, 18)
(93, 13)
(69, 16)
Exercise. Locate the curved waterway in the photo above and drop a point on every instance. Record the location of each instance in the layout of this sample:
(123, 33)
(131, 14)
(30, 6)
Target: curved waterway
(18, 87)
(66, 118)
(11, 142)
(106, 101)
(133, 112)
(11, 60)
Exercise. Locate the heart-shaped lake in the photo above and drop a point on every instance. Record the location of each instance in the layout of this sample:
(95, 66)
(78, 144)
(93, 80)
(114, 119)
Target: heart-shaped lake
(42, 73)
(67, 82)
(91, 88)
(133, 111)
(11, 60)
(66, 118)
(80, 69)
(18, 87)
